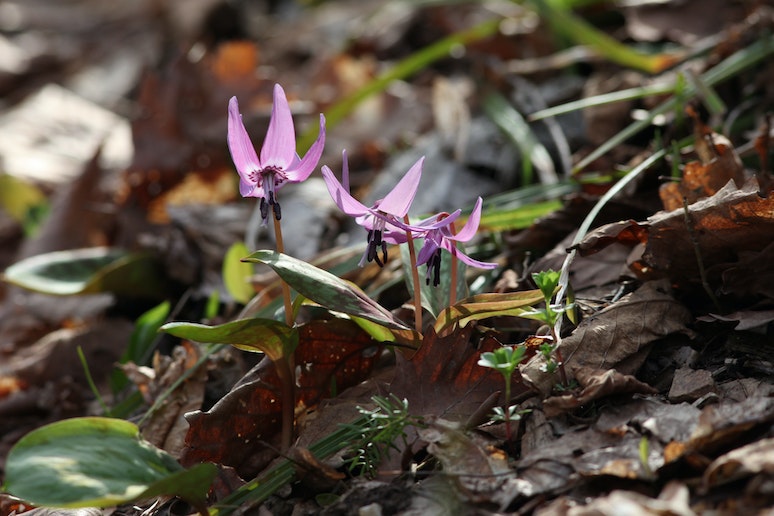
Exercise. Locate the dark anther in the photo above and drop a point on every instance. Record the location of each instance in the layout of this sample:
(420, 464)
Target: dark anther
(434, 266)
(264, 209)
(375, 243)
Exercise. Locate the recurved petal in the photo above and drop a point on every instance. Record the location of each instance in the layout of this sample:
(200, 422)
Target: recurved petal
(428, 249)
(279, 147)
(342, 197)
(304, 168)
(398, 201)
(242, 150)
(467, 259)
(471, 226)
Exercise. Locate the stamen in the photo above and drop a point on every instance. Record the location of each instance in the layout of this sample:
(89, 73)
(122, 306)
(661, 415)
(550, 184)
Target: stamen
(264, 210)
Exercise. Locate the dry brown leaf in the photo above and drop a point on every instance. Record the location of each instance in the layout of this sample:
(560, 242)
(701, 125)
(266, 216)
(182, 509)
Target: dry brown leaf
(596, 384)
(746, 461)
(166, 427)
(618, 337)
(479, 471)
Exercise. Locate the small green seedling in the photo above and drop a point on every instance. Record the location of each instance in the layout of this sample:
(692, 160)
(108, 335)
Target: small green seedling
(505, 360)
(548, 282)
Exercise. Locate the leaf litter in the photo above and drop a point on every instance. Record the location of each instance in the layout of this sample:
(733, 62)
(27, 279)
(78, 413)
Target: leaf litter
(668, 409)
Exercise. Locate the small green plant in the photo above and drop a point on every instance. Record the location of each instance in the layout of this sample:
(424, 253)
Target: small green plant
(548, 283)
(505, 360)
(384, 425)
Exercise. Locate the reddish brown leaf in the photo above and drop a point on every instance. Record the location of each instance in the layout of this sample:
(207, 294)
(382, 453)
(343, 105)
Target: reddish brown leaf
(237, 429)
(443, 377)
(627, 232)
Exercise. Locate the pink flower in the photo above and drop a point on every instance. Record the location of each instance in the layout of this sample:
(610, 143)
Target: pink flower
(383, 219)
(437, 232)
(279, 163)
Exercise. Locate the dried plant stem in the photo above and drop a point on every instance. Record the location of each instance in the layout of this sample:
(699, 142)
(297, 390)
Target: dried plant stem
(415, 279)
(699, 259)
(285, 287)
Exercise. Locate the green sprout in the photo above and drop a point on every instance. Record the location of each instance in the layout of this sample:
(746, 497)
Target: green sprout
(505, 360)
(548, 283)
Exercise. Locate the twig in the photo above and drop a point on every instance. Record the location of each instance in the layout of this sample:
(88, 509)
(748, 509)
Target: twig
(697, 251)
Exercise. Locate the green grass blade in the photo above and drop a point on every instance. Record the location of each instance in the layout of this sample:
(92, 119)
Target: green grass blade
(729, 67)
(578, 30)
(512, 123)
(408, 66)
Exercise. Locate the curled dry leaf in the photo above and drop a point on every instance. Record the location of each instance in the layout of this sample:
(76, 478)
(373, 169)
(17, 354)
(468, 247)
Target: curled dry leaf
(596, 384)
(746, 461)
(719, 164)
(732, 230)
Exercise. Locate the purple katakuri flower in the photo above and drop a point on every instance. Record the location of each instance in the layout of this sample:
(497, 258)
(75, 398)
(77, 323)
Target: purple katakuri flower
(437, 232)
(383, 219)
(279, 163)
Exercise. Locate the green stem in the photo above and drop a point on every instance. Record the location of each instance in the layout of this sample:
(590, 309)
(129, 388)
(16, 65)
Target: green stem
(415, 278)
(508, 406)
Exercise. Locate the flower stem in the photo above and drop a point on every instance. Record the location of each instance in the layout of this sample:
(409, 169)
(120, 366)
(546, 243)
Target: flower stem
(415, 278)
(285, 367)
(453, 286)
(285, 373)
(285, 287)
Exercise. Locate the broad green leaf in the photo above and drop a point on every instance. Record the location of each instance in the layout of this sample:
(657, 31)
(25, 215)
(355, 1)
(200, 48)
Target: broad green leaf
(236, 273)
(325, 289)
(97, 462)
(483, 306)
(89, 271)
(274, 338)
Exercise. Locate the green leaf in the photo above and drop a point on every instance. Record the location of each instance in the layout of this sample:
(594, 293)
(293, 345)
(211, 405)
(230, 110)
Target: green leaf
(24, 202)
(141, 342)
(513, 124)
(546, 281)
(580, 31)
(236, 273)
(89, 271)
(434, 298)
(97, 462)
(274, 338)
(483, 306)
(325, 289)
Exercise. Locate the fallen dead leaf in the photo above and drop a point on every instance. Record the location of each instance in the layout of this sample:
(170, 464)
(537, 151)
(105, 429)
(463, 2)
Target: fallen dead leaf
(618, 337)
(742, 462)
(595, 384)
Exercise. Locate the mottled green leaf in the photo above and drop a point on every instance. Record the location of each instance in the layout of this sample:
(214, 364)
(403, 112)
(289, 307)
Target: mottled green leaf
(483, 306)
(89, 271)
(274, 338)
(97, 462)
(325, 289)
